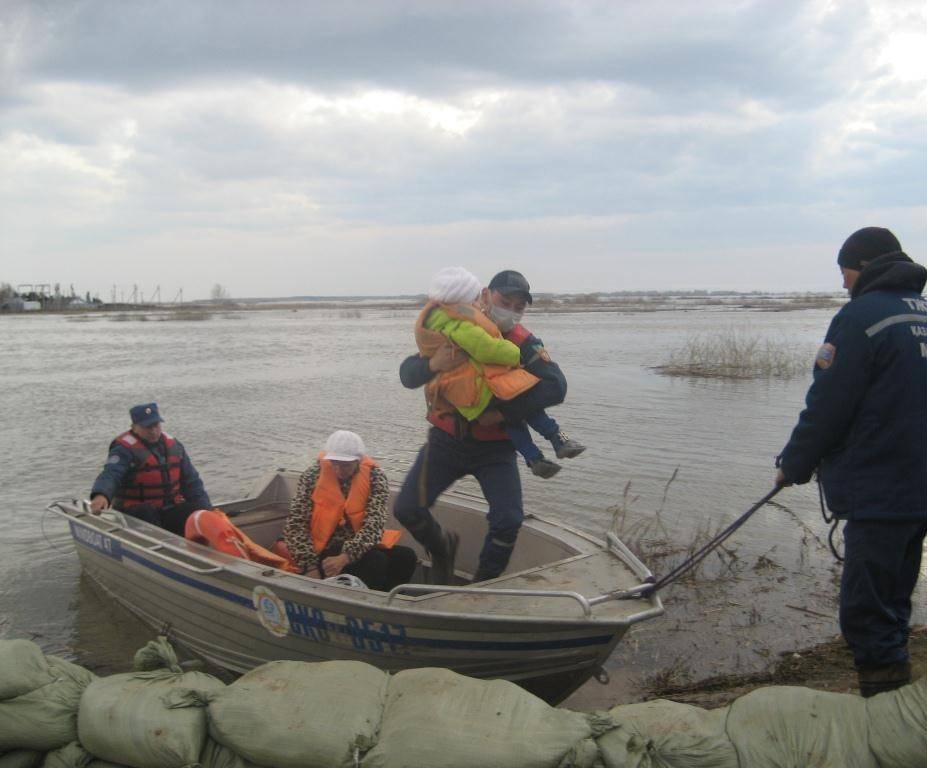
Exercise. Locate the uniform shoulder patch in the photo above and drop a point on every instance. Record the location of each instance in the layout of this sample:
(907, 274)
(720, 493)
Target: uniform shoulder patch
(824, 359)
(114, 458)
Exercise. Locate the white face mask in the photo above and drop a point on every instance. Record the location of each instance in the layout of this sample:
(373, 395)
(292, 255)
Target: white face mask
(505, 319)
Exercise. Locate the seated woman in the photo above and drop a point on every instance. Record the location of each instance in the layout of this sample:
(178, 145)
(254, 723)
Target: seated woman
(337, 521)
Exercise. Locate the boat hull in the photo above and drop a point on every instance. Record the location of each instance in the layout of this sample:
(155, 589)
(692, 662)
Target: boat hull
(238, 615)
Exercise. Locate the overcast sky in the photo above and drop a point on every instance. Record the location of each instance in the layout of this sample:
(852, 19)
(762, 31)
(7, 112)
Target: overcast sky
(356, 147)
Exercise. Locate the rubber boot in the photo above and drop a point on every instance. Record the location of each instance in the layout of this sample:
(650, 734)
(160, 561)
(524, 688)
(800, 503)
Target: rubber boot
(565, 448)
(875, 680)
(443, 555)
(481, 575)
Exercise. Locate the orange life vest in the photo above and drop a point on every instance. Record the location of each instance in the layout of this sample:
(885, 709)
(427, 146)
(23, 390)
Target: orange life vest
(459, 388)
(455, 424)
(213, 528)
(154, 481)
(330, 507)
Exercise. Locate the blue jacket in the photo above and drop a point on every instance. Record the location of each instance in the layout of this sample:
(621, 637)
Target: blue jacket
(120, 466)
(864, 427)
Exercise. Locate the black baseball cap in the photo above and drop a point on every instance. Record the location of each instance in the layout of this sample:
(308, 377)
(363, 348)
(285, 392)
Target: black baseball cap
(509, 281)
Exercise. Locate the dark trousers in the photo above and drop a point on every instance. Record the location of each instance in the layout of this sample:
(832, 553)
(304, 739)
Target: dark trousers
(444, 460)
(882, 564)
(527, 410)
(521, 438)
(545, 394)
(172, 518)
(382, 569)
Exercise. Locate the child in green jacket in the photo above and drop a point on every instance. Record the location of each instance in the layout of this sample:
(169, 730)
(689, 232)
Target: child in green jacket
(453, 312)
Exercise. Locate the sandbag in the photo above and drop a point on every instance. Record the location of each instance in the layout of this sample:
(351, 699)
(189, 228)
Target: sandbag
(103, 764)
(46, 718)
(435, 717)
(148, 719)
(21, 758)
(292, 714)
(785, 726)
(71, 755)
(154, 655)
(214, 755)
(898, 725)
(666, 734)
(63, 668)
(22, 668)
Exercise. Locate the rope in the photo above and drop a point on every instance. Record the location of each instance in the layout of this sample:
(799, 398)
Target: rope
(687, 565)
(832, 521)
(52, 543)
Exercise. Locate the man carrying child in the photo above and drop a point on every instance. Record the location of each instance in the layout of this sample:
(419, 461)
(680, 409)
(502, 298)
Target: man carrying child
(476, 443)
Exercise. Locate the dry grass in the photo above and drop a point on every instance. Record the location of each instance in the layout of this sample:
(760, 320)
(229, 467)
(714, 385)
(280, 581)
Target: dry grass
(188, 314)
(737, 355)
(173, 314)
(650, 540)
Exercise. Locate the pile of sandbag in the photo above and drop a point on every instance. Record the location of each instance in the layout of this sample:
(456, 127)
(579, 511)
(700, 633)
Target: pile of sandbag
(39, 698)
(289, 714)
(154, 716)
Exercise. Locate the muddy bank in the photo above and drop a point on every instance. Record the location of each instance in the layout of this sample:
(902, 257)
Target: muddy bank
(824, 667)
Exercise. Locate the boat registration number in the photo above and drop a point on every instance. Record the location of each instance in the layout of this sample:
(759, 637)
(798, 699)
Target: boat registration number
(362, 634)
(97, 541)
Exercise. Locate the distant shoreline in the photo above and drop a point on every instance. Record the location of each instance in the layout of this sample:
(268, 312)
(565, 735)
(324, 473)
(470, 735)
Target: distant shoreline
(547, 303)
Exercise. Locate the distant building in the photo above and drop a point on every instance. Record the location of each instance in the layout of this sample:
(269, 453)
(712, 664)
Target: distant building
(12, 304)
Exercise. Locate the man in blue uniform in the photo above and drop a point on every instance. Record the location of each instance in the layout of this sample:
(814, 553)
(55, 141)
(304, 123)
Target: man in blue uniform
(149, 475)
(456, 447)
(864, 429)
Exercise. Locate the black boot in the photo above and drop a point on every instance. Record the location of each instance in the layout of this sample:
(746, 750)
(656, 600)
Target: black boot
(565, 448)
(875, 680)
(543, 467)
(443, 553)
(481, 575)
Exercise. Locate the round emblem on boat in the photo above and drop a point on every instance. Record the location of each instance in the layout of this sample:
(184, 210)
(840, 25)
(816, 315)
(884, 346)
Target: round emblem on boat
(271, 611)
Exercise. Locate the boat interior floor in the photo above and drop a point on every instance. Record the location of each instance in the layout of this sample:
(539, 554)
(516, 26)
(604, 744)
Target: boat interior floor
(546, 559)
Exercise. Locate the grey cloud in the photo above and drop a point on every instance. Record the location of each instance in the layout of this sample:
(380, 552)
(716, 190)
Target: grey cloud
(767, 50)
(620, 129)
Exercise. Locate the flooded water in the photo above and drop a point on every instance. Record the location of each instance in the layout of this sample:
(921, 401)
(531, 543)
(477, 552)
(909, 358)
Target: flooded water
(252, 391)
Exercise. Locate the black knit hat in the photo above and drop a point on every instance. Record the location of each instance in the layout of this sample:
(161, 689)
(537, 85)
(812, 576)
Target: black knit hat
(866, 244)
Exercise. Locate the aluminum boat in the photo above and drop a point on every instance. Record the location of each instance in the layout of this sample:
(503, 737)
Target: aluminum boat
(548, 623)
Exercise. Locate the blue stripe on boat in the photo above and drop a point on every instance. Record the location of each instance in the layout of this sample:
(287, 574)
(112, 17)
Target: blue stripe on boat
(190, 582)
(361, 632)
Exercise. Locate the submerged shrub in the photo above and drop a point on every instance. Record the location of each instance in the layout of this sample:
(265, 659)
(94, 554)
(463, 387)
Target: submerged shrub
(737, 355)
